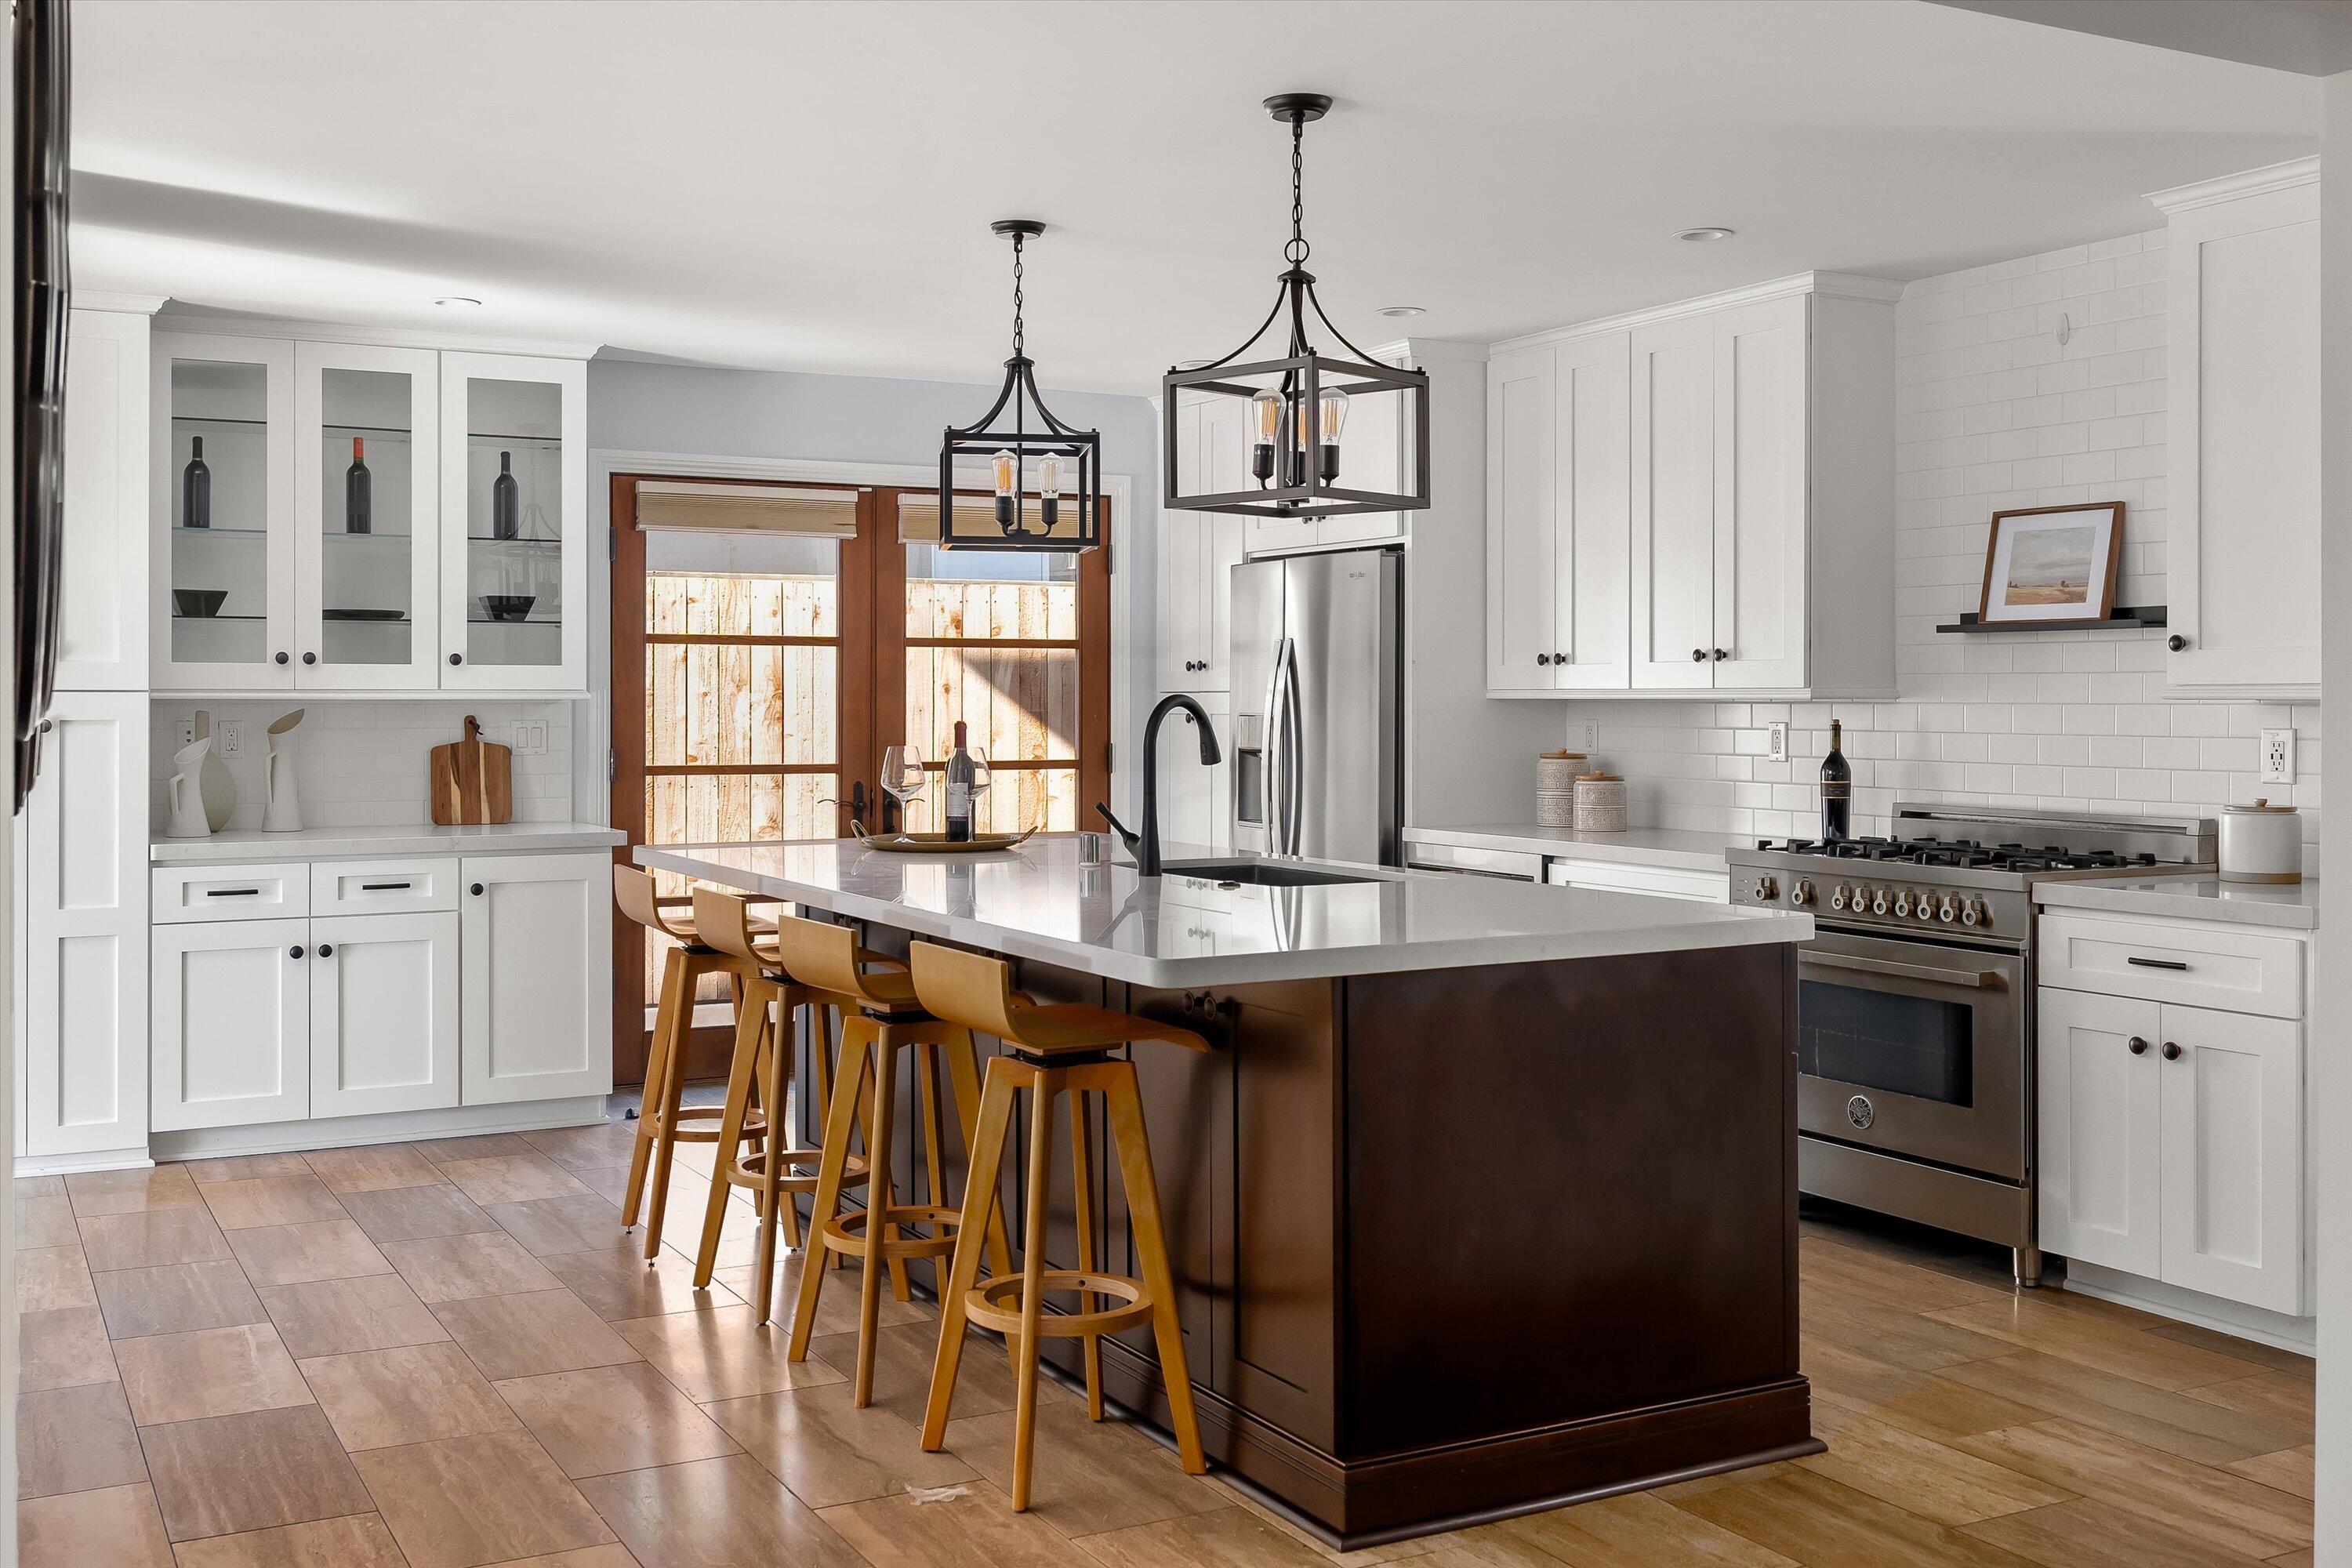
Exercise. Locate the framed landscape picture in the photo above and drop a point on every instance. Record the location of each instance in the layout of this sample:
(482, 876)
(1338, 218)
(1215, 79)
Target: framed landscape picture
(2053, 566)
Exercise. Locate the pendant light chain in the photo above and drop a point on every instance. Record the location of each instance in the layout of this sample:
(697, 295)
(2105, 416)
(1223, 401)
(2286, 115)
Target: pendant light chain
(1017, 268)
(1296, 251)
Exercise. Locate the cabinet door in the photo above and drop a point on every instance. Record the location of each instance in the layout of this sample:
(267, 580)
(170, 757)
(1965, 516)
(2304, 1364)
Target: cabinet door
(1183, 557)
(223, 587)
(367, 502)
(102, 590)
(2100, 1133)
(2244, 448)
(536, 993)
(231, 1023)
(1192, 798)
(1522, 581)
(1221, 551)
(84, 952)
(2232, 1182)
(514, 563)
(1375, 441)
(1759, 495)
(1673, 504)
(383, 1013)
(1592, 646)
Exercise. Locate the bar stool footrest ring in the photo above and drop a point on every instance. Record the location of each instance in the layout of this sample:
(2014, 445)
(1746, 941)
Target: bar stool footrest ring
(846, 1233)
(996, 1304)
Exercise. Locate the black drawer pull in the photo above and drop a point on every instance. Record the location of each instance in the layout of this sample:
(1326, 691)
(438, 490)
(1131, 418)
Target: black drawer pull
(385, 887)
(2156, 963)
(232, 893)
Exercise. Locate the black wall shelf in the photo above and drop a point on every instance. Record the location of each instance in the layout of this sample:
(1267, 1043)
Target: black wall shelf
(2121, 620)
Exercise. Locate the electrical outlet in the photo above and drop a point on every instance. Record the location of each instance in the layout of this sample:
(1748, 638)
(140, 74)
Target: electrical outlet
(1591, 736)
(232, 737)
(2278, 756)
(1780, 731)
(187, 732)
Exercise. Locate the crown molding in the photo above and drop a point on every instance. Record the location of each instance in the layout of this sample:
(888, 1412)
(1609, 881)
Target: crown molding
(2237, 187)
(1424, 349)
(103, 300)
(382, 337)
(1829, 285)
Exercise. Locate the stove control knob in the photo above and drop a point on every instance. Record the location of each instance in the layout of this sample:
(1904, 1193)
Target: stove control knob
(1927, 906)
(1767, 889)
(1837, 896)
(1878, 902)
(1903, 904)
(1801, 894)
(1973, 912)
(1947, 911)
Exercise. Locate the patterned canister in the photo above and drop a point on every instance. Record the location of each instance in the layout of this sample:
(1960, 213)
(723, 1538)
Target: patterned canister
(1600, 803)
(1556, 788)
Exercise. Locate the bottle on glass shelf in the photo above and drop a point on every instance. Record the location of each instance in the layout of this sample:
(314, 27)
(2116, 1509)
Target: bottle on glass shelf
(505, 514)
(196, 489)
(359, 499)
(962, 773)
(1837, 789)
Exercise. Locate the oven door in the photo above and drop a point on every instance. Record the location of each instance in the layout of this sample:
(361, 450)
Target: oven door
(1914, 1048)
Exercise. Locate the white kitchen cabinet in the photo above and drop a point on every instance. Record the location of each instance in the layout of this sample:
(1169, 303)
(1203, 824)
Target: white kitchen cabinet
(383, 1013)
(1198, 551)
(1194, 804)
(2102, 1129)
(2234, 1169)
(514, 574)
(1633, 876)
(83, 932)
(230, 1023)
(536, 1015)
(1694, 498)
(2243, 433)
(103, 604)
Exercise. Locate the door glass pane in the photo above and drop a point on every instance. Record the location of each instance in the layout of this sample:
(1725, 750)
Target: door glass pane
(220, 495)
(366, 516)
(990, 594)
(1916, 1046)
(514, 522)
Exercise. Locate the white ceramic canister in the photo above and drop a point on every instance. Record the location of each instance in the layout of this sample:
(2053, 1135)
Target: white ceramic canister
(1556, 788)
(1600, 803)
(2261, 843)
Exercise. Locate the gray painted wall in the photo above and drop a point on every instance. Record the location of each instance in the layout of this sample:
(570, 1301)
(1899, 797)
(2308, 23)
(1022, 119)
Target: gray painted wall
(642, 408)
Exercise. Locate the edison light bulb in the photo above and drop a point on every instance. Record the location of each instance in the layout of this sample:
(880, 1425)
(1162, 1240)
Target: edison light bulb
(1332, 403)
(1006, 468)
(1049, 489)
(1266, 423)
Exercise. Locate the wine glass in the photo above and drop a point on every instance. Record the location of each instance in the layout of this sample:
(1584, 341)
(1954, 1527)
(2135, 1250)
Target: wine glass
(903, 778)
(980, 778)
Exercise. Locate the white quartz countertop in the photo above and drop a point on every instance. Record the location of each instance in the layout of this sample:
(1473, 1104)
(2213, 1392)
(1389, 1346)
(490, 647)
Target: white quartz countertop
(1645, 845)
(405, 838)
(1037, 902)
(2294, 905)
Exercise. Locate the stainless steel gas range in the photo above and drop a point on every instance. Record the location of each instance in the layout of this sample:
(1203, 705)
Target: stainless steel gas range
(1915, 1001)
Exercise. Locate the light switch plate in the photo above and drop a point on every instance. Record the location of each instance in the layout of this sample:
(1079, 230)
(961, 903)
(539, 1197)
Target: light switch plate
(2278, 756)
(530, 737)
(1780, 731)
(1591, 736)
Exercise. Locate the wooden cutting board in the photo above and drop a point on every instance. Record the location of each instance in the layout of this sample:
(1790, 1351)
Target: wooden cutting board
(472, 780)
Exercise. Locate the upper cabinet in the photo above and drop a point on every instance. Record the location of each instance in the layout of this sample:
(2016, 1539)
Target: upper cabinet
(1698, 499)
(2243, 358)
(342, 517)
(1198, 551)
(102, 570)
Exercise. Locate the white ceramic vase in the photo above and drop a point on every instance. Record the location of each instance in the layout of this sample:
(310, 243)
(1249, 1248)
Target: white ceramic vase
(281, 810)
(215, 786)
(185, 793)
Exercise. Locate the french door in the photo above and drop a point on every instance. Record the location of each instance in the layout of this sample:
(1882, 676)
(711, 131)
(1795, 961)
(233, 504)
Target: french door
(769, 640)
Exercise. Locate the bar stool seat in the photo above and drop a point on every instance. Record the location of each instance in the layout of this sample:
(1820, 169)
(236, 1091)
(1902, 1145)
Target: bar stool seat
(1052, 1049)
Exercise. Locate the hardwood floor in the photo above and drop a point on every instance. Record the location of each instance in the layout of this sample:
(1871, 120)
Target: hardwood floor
(447, 1355)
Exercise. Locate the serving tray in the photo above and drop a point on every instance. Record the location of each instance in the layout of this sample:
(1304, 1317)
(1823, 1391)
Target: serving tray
(936, 843)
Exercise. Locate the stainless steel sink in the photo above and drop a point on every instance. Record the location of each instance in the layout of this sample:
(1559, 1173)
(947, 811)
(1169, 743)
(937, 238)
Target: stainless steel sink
(1261, 873)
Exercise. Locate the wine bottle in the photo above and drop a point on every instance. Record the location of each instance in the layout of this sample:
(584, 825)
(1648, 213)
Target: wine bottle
(359, 504)
(961, 776)
(1837, 789)
(196, 489)
(505, 512)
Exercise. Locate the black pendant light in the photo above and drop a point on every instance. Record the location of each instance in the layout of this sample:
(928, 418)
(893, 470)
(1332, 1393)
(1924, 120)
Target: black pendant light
(1294, 407)
(1045, 475)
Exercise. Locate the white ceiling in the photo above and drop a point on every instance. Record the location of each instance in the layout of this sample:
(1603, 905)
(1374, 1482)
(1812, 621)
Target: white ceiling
(808, 187)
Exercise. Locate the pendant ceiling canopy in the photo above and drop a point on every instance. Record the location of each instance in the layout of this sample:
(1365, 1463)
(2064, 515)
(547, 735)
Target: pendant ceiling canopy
(1261, 436)
(1042, 475)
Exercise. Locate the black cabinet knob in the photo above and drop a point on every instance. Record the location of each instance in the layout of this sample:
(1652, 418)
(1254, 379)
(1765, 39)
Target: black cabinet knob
(2171, 1051)
(1559, 659)
(310, 659)
(293, 953)
(456, 658)
(2176, 642)
(1543, 658)
(281, 658)
(1722, 652)
(2136, 1046)
(1698, 656)
(326, 950)
(477, 890)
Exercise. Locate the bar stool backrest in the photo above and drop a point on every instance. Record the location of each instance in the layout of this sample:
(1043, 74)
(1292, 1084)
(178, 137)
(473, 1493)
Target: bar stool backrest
(633, 890)
(724, 922)
(967, 988)
(821, 956)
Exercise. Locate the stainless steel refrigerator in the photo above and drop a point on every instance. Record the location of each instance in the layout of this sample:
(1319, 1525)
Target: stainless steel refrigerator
(1319, 753)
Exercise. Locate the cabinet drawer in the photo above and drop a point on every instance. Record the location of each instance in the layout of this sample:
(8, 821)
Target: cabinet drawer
(2237, 972)
(263, 893)
(383, 887)
(1632, 876)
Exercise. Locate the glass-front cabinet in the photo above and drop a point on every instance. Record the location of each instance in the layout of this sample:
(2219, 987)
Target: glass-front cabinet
(223, 435)
(366, 508)
(514, 478)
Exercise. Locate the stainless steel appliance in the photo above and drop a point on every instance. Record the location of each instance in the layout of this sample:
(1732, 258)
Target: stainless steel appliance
(1319, 762)
(43, 274)
(1915, 1008)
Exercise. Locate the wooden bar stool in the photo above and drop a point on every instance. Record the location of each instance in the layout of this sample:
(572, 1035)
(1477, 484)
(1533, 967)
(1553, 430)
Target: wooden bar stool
(1052, 1049)
(888, 1020)
(761, 1074)
(663, 1122)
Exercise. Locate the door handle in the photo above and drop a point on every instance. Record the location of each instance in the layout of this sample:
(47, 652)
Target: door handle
(1293, 726)
(232, 893)
(385, 887)
(1980, 978)
(2139, 963)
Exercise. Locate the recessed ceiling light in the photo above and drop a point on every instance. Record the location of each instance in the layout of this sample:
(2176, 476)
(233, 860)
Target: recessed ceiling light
(458, 301)
(1404, 309)
(1192, 364)
(1701, 235)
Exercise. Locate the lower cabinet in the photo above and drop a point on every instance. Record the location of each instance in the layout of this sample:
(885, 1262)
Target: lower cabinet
(2171, 1144)
(1636, 876)
(383, 1014)
(537, 1004)
(229, 1036)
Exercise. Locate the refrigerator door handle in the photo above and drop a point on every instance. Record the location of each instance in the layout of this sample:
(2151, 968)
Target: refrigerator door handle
(1275, 792)
(1294, 723)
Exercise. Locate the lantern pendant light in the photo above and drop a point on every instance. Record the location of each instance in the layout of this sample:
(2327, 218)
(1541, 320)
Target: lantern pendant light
(1282, 459)
(1044, 475)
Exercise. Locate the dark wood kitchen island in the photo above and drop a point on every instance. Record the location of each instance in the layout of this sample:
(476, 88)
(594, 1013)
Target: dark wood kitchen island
(1487, 1200)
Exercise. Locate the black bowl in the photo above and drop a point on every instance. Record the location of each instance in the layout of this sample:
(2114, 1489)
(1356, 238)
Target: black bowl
(201, 604)
(508, 607)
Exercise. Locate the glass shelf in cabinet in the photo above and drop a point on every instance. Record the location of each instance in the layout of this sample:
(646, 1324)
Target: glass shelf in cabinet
(200, 620)
(540, 443)
(515, 543)
(533, 621)
(393, 433)
(181, 529)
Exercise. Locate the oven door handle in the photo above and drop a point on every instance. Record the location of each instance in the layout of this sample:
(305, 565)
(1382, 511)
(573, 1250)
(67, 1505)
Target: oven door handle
(1979, 978)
